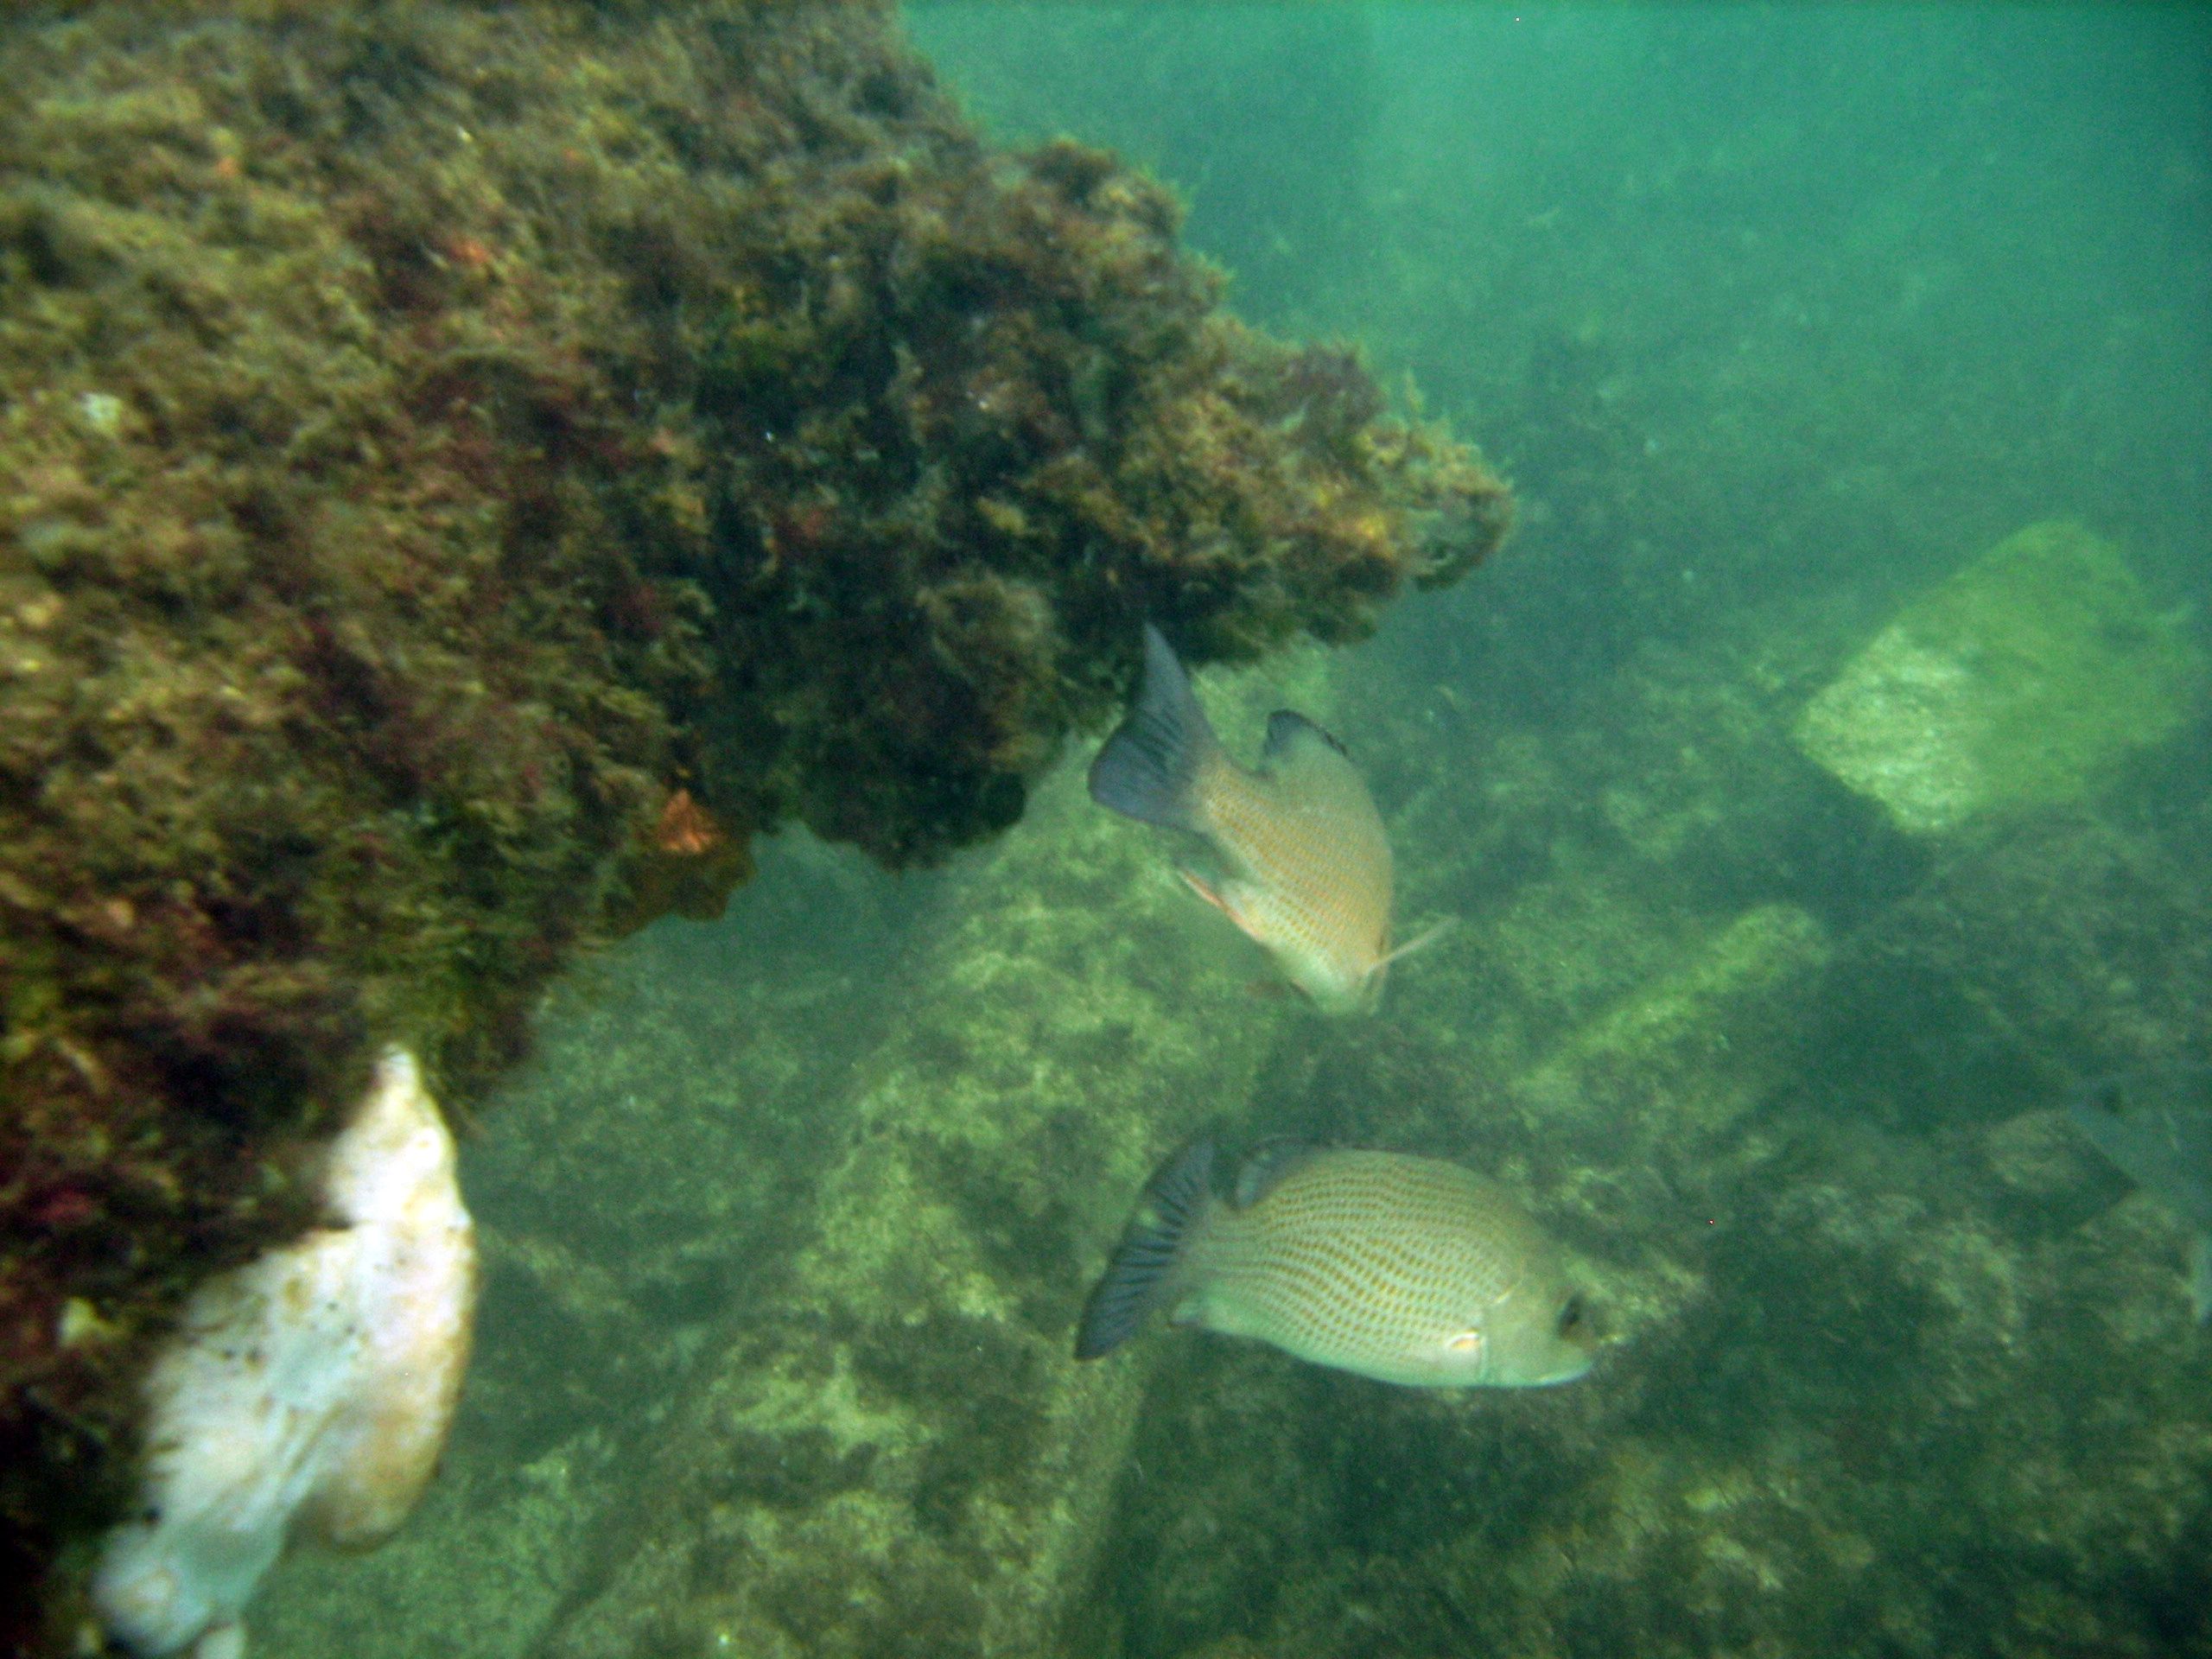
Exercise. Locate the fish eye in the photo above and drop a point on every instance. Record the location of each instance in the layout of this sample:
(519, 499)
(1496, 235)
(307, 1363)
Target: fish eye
(1573, 1317)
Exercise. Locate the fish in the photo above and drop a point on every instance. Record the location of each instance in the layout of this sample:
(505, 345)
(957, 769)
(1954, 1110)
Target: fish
(1303, 863)
(1406, 1270)
(2155, 1127)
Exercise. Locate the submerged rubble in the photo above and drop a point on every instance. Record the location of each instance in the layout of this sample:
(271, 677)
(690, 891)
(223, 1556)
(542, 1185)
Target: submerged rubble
(2028, 677)
(465, 471)
(1892, 1364)
(894, 1450)
(1898, 1367)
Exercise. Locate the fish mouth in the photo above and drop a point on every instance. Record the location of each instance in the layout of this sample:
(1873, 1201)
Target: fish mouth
(1574, 1370)
(1569, 1367)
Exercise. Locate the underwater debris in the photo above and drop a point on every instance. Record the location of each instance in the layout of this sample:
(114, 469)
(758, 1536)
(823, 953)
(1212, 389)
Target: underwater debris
(893, 1451)
(307, 1394)
(438, 438)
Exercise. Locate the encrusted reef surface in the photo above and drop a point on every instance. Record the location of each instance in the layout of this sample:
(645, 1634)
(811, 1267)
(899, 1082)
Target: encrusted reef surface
(463, 472)
(644, 1181)
(897, 1454)
(2020, 682)
(784, 1273)
(1903, 1368)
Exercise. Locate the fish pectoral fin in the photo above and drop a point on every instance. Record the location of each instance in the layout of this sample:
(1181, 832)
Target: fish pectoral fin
(1188, 1310)
(1221, 902)
(1420, 942)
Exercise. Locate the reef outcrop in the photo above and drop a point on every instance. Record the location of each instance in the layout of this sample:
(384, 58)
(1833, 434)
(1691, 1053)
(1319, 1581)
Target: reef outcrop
(896, 1451)
(465, 470)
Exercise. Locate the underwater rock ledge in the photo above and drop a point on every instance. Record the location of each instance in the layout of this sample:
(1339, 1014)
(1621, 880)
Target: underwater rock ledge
(464, 471)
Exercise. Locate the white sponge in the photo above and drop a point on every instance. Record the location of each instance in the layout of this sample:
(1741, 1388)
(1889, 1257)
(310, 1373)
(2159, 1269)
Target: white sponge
(307, 1394)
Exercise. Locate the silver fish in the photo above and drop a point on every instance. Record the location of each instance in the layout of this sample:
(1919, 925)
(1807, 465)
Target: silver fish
(1407, 1270)
(1304, 863)
(2156, 1127)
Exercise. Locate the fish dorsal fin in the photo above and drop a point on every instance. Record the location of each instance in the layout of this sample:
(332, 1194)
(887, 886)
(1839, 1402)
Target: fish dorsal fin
(1310, 771)
(1287, 730)
(1268, 1164)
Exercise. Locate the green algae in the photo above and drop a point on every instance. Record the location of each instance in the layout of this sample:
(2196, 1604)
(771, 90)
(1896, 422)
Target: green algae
(479, 1569)
(1331, 1507)
(467, 471)
(1886, 1371)
(638, 1187)
(2021, 682)
(800, 1254)
(1899, 1370)
(1684, 1055)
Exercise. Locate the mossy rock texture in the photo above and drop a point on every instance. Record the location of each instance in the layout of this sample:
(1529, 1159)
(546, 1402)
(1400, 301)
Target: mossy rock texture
(2020, 682)
(899, 1453)
(465, 470)
(1898, 1365)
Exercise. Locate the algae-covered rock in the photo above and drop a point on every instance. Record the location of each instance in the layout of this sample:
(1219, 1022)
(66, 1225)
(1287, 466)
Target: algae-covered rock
(636, 1182)
(897, 1453)
(465, 470)
(1898, 1367)
(1676, 1063)
(2017, 682)
(1877, 1392)
(1323, 1515)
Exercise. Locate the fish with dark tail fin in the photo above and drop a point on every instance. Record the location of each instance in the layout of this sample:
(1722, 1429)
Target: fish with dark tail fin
(1406, 1270)
(1303, 864)
(2155, 1126)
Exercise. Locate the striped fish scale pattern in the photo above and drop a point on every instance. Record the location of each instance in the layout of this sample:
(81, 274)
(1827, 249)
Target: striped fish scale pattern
(1307, 865)
(1403, 1269)
(1315, 883)
(1366, 1261)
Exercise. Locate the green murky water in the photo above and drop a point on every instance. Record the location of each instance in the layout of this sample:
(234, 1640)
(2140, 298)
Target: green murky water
(1779, 318)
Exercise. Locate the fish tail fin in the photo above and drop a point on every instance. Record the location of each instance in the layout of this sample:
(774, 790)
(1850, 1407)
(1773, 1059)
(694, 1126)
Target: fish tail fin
(1149, 768)
(1143, 1267)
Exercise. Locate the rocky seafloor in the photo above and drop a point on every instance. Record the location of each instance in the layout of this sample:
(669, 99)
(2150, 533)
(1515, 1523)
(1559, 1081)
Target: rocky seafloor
(788, 1222)
(786, 1267)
